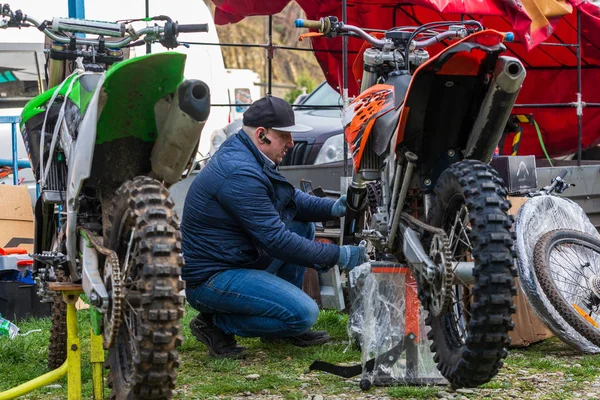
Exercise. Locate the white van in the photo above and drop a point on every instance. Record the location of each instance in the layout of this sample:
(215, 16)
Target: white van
(243, 88)
(204, 62)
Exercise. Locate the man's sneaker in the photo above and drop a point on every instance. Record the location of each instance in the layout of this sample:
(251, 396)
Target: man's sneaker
(308, 338)
(219, 344)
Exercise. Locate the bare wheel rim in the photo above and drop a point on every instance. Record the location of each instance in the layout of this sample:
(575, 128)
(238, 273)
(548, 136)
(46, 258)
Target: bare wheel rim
(574, 266)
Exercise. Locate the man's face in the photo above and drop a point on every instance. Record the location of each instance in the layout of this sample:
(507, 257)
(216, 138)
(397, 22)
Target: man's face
(281, 142)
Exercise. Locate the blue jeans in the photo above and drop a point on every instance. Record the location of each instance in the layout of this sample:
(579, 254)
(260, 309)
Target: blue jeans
(259, 303)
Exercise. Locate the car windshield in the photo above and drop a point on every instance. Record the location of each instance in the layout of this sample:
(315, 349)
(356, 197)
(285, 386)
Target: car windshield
(324, 95)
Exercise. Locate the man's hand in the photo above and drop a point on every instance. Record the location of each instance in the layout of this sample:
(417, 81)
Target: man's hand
(339, 207)
(352, 256)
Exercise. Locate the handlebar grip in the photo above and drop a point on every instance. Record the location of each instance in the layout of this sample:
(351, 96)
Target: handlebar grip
(310, 24)
(562, 174)
(192, 28)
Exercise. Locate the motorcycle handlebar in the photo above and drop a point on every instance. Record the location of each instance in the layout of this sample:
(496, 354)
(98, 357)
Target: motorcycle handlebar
(420, 44)
(114, 29)
(192, 28)
(325, 25)
(52, 29)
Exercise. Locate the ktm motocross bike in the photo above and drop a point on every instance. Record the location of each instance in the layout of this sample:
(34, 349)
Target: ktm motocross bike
(421, 133)
(105, 141)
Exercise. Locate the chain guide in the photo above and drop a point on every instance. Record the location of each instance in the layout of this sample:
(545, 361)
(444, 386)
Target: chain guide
(436, 294)
(112, 282)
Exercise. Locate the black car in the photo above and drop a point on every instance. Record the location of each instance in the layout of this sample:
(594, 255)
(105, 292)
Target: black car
(324, 144)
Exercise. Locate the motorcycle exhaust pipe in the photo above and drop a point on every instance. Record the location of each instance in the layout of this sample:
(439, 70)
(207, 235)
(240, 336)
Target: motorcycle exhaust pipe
(495, 109)
(179, 130)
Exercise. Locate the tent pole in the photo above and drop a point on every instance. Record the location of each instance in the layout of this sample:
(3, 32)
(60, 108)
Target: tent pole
(345, 81)
(579, 92)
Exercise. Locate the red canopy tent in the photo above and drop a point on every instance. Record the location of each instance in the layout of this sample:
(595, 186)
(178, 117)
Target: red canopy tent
(547, 32)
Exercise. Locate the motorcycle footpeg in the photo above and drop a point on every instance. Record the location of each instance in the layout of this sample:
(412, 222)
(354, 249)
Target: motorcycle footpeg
(51, 258)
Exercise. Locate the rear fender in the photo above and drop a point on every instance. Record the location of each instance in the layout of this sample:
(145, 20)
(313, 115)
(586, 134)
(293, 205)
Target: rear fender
(465, 58)
(443, 100)
(131, 90)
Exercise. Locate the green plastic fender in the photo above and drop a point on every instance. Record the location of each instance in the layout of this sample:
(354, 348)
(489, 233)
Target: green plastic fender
(132, 88)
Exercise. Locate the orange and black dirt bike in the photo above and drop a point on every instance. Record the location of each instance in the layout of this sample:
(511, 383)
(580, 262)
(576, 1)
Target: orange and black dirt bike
(421, 133)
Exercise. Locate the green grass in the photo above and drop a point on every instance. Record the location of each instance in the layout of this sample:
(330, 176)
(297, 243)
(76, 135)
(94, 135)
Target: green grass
(25, 358)
(413, 392)
(282, 368)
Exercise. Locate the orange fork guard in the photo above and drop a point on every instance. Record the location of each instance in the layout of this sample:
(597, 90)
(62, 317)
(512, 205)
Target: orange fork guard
(411, 300)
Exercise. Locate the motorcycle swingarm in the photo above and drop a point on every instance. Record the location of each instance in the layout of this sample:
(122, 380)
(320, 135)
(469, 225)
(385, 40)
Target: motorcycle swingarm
(416, 254)
(92, 283)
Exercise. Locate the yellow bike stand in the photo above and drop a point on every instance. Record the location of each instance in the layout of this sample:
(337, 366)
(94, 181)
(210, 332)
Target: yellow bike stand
(72, 366)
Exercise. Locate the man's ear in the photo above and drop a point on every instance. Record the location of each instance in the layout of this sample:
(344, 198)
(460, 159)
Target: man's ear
(262, 136)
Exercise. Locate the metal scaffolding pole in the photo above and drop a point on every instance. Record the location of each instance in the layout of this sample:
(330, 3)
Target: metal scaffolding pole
(270, 51)
(579, 93)
(148, 45)
(579, 105)
(266, 46)
(345, 81)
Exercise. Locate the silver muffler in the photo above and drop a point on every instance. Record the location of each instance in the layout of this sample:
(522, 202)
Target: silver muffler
(495, 109)
(180, 119)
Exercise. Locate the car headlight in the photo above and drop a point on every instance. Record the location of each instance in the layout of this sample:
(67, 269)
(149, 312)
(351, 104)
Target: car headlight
(332, 150)
(216, 140)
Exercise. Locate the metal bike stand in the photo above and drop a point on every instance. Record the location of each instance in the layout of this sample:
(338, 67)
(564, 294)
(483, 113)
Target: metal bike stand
(377, 366)
(72, 365)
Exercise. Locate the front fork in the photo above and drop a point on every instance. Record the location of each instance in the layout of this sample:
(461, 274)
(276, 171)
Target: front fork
(355, 204)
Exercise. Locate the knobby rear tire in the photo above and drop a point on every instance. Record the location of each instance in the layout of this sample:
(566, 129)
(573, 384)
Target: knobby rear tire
(143, 366)
(486, 312)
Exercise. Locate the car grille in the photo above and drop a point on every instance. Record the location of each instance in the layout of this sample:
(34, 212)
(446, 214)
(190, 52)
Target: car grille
(297, 155)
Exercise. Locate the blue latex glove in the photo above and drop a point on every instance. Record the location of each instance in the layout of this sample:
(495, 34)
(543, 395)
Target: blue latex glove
(351, 256)
(339, 207)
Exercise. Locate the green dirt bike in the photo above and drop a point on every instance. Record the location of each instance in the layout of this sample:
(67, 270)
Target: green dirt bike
(105, 142)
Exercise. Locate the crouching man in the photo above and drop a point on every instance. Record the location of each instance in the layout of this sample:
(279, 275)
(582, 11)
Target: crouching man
(248, 237)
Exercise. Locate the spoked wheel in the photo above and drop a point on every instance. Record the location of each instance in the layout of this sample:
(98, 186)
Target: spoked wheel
(144, 233)
(47, 239)
(567, 266)
(470, 338)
